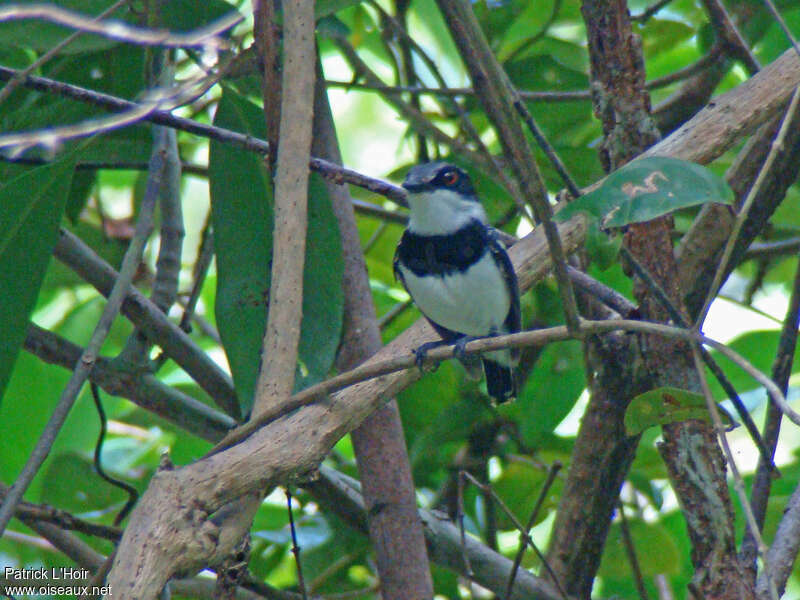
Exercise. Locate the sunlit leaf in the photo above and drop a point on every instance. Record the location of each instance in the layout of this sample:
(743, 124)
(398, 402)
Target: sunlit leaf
(648, 188)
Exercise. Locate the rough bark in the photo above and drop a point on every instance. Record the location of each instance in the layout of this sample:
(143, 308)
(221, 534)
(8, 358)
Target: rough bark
(603, 452)
(694, 461)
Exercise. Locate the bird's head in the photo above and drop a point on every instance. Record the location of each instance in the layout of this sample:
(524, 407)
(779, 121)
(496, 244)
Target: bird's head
(441, 198)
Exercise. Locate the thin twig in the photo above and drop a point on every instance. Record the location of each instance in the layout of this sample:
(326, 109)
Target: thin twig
(538, 337)
(465, 121)
(325, 168)
(96, 165)
(531, 41)
(608, 296)
(295, 546)
(630, 550)
(777, 146)
(416, 118)
(738, 483)
(204, 37)
(781, 371)
(650, 11)
(547, 147)
(468, 572)
(773, 249)
(696, 67)
(129, 267)
(523, 533)
(205, 253)
(784, 27)
(552, 472)
(133, 493)
(44, 58)
(27, 511)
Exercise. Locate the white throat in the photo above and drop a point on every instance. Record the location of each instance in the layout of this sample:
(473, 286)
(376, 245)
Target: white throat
(441, 212)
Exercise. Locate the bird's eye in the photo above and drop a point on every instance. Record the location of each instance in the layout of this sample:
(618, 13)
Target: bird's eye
(450, 178)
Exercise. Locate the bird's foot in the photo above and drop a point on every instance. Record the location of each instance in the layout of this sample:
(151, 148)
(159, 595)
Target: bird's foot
(421, 353)
(459, 348)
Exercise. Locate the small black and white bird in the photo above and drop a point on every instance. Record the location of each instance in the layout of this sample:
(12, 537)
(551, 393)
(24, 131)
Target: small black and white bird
(457, 271)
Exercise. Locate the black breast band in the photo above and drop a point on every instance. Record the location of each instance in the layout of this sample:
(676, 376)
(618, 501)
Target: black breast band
(443, 254)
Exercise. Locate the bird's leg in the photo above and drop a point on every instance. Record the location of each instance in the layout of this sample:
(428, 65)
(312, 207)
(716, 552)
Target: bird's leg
(459, 348)
(421, 352)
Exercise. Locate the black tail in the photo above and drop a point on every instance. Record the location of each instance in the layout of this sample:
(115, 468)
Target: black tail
(500, 382)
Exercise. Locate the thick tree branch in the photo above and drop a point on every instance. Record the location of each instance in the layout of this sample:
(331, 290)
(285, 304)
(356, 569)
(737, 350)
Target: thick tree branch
(143, 389)
(734, 114)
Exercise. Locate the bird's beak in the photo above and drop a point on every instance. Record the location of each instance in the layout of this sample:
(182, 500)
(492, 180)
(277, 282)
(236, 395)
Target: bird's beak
(415, 182)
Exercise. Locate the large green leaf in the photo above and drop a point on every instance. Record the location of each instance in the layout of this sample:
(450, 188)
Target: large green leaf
(648, 188)
(31, 206)
(242, 213)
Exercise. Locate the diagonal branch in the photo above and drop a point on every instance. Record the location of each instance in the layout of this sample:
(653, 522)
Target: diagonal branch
(75, 254)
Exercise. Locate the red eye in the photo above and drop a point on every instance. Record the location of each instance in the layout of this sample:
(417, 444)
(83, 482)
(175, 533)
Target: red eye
(450, 178)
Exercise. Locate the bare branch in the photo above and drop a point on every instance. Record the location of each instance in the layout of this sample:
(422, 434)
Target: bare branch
(328, 170)
(279, 353)
(74, 253)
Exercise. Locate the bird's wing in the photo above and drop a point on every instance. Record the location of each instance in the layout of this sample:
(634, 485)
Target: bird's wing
(513, 320)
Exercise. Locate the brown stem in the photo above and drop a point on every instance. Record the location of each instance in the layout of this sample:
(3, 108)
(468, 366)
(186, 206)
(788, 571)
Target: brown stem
(279, 354)
(379, 443)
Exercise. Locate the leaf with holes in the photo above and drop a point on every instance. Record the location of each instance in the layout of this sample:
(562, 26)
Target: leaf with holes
(648, 188)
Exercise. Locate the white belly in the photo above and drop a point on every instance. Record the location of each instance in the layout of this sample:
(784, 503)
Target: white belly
(474, 303)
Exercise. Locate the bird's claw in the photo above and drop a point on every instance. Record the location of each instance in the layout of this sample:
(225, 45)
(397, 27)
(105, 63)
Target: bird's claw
(459, 348)
(421, 353)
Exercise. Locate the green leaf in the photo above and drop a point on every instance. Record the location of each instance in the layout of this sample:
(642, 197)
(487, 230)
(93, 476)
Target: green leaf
(648, 188)
(551, 390)
(186, 15)
(31, 206)
(242, 214)
(656, 549)
(326, 8)
(664, 405)
(41, 35)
